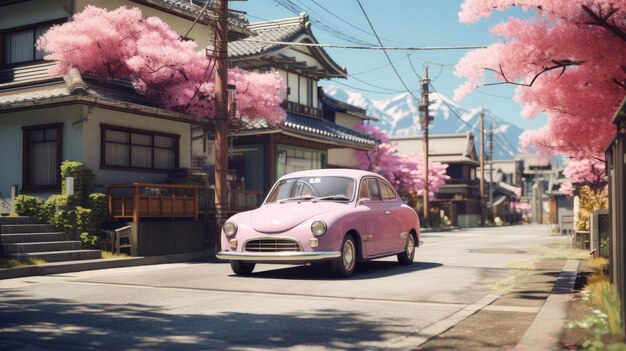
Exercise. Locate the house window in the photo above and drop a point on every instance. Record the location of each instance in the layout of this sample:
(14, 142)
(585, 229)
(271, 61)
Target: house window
(42, 157)
(20, 44)
(292, 159)
(138, 149)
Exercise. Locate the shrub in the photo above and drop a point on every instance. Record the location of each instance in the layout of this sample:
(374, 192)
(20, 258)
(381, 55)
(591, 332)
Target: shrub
(50, 207)
(90, 241)
(83, 181)
(99, 204)
(28, 205)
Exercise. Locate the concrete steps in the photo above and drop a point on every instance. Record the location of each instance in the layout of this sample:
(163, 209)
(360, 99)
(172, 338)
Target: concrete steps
(31, 237)
(23, 237)
(61, 256)
(46, 246)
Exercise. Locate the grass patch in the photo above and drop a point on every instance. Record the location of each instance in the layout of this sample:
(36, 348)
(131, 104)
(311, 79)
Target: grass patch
(109, 254)
(559, 250)
(6, 262)
(521, 270)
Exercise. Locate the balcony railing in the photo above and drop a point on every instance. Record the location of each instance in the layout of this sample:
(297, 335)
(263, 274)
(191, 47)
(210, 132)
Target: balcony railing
(305, 110)
(143, 200)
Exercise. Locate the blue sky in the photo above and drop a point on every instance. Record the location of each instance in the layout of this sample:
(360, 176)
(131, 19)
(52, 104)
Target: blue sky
(406, 23)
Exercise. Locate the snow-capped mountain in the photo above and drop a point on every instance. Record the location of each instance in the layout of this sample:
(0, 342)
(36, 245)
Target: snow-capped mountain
(398, 116)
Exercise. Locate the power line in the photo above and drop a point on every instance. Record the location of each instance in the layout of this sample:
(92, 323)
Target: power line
(385, 52)
(377, 48)
(376, 86)
(294, 8)
(442, 99)
(206, 4)
(365, 90)
(346, 22)
(379, 67)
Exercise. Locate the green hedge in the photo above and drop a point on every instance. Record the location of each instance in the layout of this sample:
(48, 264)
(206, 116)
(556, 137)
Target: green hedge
(26, 205)
(80, 215)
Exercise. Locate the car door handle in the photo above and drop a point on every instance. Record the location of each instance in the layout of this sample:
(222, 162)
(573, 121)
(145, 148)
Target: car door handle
(387, 212)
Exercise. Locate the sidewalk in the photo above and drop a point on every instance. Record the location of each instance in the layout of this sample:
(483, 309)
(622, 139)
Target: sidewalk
(530, 318)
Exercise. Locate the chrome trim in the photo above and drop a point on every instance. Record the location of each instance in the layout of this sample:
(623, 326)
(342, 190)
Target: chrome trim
(278, 256)
(296, 241)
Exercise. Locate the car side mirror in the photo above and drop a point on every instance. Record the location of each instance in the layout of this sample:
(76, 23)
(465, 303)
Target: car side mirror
(363, 200)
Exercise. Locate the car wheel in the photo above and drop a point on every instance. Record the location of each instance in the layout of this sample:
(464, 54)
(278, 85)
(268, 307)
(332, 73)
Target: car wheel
(345, 265)
(406, 257)
(241, 267)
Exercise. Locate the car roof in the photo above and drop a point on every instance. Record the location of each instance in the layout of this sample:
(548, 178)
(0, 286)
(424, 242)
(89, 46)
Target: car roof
(331, 172)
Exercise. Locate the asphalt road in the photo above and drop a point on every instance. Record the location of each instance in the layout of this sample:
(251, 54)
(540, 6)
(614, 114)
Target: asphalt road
(202, 306)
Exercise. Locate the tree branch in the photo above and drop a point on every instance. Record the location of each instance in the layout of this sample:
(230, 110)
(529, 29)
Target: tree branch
(562, 64)
(603, 21)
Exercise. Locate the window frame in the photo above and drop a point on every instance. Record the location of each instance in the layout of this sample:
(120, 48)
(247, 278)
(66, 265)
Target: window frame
(384, 183)
(363, 183)
(33, 27)
(26, 166)
(152, 134)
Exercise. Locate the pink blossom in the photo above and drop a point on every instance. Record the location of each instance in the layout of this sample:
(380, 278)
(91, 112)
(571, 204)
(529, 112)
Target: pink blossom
(406, 173)
(122, 43)
(580, 95)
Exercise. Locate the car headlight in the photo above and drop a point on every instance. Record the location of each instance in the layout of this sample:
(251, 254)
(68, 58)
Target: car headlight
(318, 228)
(229, 229)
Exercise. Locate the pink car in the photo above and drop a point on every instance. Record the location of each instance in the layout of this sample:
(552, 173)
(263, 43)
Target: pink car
(343, 216)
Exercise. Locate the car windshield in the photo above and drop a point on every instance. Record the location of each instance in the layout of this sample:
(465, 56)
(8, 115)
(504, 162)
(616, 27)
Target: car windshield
(313, 188)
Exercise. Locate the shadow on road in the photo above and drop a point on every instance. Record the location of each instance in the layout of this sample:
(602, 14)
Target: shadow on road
(61, 324)
(365, 270)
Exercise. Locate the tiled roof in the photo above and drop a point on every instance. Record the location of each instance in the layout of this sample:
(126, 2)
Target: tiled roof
(53, 92)
(441, 147)
(333, 104)
(286, 30)
(320, 129)
(283, 30)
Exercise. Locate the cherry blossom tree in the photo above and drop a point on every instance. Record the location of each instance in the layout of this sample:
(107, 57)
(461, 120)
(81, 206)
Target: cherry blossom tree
(568, 62)
(589, 172)
(406, 173)
(123, 44)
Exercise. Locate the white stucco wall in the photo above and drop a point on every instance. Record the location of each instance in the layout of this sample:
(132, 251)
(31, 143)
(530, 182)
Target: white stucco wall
(11, 140)
(201, 34)
(343, 157)
(81, 141)
(92, 140)
(30, 12)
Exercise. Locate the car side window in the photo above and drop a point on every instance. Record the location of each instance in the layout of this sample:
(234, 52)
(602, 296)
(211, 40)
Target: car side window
(369, 190)
(387, 190)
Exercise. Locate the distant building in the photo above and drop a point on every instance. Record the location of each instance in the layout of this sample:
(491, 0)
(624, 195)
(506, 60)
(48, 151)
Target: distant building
(345, 115)
(460, 196)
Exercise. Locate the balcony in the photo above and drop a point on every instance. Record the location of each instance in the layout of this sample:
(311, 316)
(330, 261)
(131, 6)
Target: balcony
(300, 109)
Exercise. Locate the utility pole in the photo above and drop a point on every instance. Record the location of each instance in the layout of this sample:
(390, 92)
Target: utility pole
(483, 209)
(425, 117)
(491, 182)
(221, 116)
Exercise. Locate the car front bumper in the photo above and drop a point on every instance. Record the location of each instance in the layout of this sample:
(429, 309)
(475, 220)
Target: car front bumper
(279, 257)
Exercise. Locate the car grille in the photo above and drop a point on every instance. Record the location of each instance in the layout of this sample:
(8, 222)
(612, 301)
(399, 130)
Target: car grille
(272, 245)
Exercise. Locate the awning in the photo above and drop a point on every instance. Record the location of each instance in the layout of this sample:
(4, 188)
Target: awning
(315, 129)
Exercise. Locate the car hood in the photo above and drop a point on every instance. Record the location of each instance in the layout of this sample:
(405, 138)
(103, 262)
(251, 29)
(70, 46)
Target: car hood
(276, 217)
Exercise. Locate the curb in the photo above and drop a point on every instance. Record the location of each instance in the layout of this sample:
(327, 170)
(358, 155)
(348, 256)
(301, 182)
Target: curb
(421, 336)
(546, 329)
(87, 265)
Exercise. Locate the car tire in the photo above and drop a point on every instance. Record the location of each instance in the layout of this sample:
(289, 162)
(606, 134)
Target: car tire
(406, 257)
(241, 267)
(345, 265)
